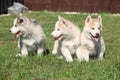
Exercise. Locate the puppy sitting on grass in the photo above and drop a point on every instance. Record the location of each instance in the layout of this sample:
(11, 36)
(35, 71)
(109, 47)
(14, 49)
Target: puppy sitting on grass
(92, 43)
(30, 35)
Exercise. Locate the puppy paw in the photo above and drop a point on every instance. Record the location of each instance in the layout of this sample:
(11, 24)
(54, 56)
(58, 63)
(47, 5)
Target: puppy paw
(54, 52)
(101, 58)
(60, 57)
(69, 60)
(20, 55)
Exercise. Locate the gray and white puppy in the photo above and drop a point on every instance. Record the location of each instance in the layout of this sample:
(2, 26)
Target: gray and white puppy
(31, 35)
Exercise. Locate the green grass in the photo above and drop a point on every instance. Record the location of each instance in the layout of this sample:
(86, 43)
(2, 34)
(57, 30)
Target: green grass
(49, 67)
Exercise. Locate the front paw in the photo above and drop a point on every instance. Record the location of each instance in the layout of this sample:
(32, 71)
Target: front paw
(20, 55)
(69, 60)
(54, 52)
(101, 58)
(59, 56)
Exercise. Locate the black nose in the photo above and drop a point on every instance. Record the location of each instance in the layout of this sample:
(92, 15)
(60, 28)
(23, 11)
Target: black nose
(51, 35)
(97, 34)
(9, 30)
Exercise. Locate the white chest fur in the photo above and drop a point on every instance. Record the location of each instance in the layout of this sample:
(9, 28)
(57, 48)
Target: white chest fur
(28, 42)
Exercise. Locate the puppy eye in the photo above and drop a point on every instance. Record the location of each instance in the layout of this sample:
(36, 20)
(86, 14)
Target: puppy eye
(93, 28)
(58, 29)
(99, 28)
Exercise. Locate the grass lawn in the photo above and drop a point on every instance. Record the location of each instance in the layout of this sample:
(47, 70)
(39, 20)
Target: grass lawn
(49, 67)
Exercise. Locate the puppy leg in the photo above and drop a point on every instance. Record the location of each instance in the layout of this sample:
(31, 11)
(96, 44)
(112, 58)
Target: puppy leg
(82, 54)
(102, 51)
(56, 46)
(57, 50)
(23, 51)
(66, 53)
(79, 54)
(41, 48)
(22, 48)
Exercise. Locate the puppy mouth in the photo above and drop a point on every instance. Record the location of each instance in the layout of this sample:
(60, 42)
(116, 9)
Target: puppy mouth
(59, 37)
(96, 37)
(18, 34)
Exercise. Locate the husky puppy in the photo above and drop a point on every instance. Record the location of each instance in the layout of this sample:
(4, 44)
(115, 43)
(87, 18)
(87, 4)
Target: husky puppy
(92, 43)
(31, 35)
(67, 38)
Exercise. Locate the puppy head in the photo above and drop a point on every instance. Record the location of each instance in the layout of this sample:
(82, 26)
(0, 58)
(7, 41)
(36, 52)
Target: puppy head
(19, 26)
(94, 27)
(61, 29)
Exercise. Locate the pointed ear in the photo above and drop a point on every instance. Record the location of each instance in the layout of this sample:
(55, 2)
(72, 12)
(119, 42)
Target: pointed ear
(63, 21)
(99, 18)
(88, 19)
(59, 17)
(21, 18)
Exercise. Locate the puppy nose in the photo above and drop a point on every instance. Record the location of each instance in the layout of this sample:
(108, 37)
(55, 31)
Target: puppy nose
(51, 35)
(97, 34)
(9, 30)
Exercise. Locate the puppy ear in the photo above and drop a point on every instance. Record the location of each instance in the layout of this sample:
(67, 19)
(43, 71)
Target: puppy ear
(88, 19)
(64, 22)
(100, 18)
(59, 17)
(21, 20)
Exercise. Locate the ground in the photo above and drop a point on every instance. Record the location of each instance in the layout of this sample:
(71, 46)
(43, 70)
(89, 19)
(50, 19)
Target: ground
(49, 67)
